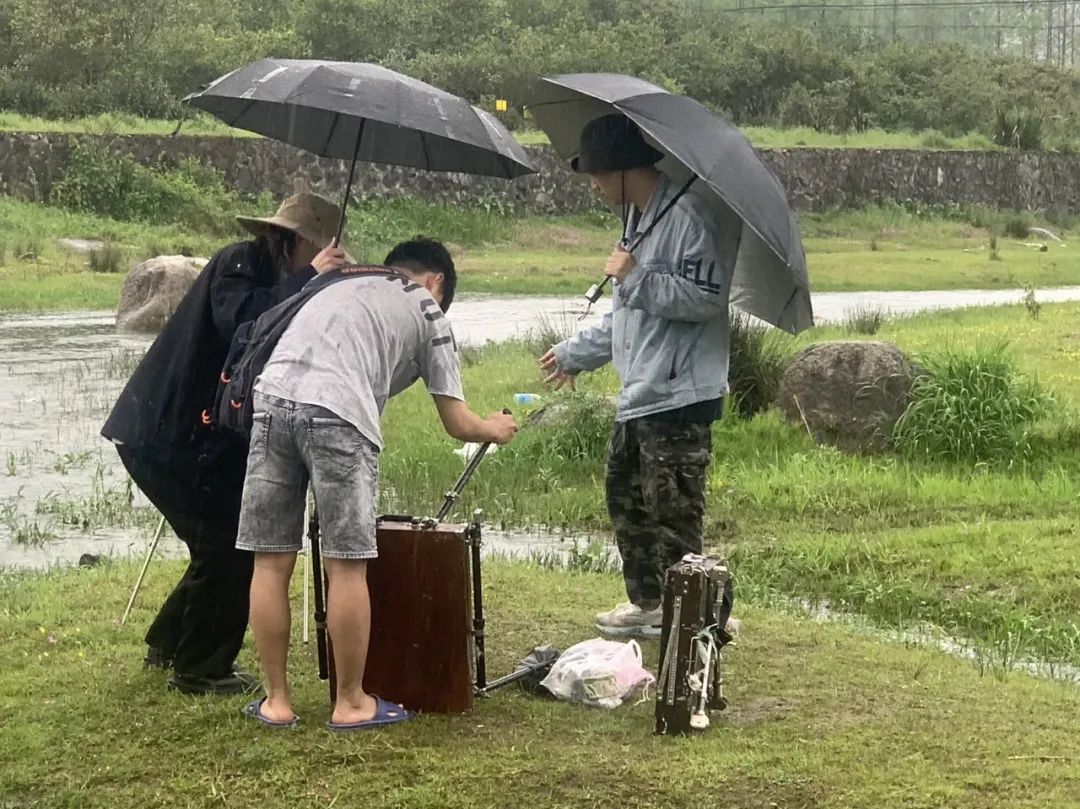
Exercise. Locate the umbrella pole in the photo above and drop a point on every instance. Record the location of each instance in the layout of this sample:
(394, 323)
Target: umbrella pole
(596, 291)
(348, 185)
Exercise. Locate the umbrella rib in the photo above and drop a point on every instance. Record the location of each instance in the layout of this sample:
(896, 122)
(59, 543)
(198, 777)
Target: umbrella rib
(499, 159)
(330, 134)
(251, 102)
(427, 151)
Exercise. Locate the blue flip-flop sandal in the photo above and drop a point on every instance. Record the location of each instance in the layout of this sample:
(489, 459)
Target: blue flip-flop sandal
(254, 710)
(386, 713)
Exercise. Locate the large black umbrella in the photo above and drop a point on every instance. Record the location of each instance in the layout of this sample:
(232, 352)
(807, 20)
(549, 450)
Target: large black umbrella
(354, 111)
(770, 280)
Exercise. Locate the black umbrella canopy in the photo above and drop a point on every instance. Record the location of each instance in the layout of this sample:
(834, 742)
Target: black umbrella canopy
(346, 109)
(770, 279)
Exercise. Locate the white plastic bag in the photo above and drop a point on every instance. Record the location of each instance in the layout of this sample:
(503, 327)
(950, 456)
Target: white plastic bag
(601, 673)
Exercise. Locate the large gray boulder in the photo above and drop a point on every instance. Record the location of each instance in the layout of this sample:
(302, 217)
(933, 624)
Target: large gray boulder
(850, 394)
(153, 290)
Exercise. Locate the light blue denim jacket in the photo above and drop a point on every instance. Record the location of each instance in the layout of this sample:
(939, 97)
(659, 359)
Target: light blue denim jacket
(668, 331)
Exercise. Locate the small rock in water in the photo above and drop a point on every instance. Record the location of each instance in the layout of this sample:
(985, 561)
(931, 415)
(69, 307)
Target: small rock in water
(89, 560)
(81, 245)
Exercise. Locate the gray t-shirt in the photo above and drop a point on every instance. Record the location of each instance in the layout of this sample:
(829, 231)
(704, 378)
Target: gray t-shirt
(359, 342)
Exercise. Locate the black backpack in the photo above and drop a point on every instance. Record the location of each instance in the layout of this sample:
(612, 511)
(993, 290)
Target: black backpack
(251, 347)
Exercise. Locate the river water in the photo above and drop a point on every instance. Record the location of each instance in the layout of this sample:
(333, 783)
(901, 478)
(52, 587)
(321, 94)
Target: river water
(61, 373)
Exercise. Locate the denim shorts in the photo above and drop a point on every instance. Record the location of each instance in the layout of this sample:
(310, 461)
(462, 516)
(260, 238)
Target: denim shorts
(293, 444)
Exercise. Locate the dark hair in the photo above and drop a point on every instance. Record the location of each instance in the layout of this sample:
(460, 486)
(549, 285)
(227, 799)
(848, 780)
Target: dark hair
(276, 246)
(427, 255)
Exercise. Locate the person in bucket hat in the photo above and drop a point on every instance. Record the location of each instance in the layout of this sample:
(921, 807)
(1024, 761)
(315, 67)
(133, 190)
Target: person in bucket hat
(308, 216)
(191, 473)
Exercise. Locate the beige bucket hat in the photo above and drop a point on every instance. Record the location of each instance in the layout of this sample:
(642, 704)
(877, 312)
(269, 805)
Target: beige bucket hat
(307, 215)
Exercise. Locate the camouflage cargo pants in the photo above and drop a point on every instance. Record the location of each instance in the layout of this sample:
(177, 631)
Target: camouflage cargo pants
(656, 499)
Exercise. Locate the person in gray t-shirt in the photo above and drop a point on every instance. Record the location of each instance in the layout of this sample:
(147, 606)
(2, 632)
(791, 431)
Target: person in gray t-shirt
(317, 408)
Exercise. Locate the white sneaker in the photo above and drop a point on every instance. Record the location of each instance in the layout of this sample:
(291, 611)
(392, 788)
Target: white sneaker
(630, 620)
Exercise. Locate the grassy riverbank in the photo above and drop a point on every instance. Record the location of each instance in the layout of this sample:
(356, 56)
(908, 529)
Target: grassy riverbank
(821, 716)
(872, 249)
(824, 714)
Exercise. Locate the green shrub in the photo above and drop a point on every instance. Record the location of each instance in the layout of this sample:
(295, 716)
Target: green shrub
(864, 320)
(575, 427)
(193, 195)
(971, 408)
(759, 356)
(376, 225)
(932, 139)
(1018, 130)
(108, 259)
(1019, 226)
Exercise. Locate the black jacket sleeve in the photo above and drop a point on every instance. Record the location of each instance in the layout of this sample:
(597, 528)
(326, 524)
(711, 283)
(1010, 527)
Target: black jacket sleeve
(237, 296)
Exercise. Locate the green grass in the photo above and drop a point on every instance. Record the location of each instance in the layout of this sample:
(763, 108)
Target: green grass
(119, 123)
(822, 716)
(766, 137)
(38, 274)
(775, 495)
(531, 137)
(1007, 584)
(871, 249)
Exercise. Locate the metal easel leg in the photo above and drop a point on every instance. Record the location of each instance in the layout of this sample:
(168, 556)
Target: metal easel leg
(142, 573)
(307, 574)
(478, 603)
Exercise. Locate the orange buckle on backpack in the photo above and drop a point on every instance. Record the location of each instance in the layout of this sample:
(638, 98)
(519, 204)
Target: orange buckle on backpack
(225, 378)
(235, 405)
(207, 419)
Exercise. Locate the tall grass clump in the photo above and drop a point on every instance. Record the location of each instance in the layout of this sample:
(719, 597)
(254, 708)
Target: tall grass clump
(864, 320)
(759, 356)
(547, 332)
(576, 427)
(932, 139)
(1018, 227)
(971, 408)
(108, 259)
(1018, 130)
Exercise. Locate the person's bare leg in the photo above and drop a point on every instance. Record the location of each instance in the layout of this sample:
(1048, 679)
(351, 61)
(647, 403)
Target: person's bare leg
(348, 617)
(270, 623)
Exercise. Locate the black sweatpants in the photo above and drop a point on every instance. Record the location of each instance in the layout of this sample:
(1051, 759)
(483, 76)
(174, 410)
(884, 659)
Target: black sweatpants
(201, 625)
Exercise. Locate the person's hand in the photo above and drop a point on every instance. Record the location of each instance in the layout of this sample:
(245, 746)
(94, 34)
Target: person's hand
(620, 264)
(330, 258)
(503, 427)
(554, 375)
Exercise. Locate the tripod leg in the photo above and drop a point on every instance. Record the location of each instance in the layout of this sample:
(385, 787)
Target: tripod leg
(307, 573)
(478, 611)
(320, 606)
(146, 565)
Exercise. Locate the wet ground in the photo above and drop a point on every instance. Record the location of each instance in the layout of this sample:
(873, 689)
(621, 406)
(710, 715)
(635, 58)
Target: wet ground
(63, 491)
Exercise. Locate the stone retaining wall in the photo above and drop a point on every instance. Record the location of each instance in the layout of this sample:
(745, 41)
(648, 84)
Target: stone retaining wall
(816, 179)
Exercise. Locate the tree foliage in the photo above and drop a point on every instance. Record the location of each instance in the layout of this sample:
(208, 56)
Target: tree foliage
(64, 58)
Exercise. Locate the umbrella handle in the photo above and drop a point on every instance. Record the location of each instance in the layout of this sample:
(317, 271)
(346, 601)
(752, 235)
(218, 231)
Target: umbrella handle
(596, 290)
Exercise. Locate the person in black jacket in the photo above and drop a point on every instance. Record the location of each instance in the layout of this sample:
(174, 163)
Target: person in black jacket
(192, 474)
